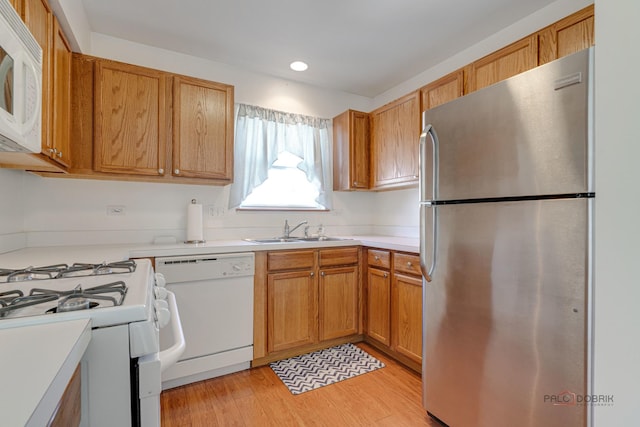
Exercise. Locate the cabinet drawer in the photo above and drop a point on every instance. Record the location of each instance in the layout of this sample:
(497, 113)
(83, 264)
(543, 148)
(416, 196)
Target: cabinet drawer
(406, 263)
(379, 258)
(290, 260)
(341, 256)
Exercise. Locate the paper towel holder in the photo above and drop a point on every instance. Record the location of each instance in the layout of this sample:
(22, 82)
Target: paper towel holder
(195, 241)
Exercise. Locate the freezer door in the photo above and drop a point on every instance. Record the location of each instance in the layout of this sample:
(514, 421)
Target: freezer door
(505, 318)
(528, 135)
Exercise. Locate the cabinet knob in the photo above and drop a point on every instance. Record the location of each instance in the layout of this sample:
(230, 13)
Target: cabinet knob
(312, 274)
(377, 258)
(177, 171)
(385, 275)
(409, 264)
(160, 171)
(322, 273)
(60, 154)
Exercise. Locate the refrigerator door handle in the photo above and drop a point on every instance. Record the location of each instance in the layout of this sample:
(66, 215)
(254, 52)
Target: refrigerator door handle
(427, 266)
(424, 168)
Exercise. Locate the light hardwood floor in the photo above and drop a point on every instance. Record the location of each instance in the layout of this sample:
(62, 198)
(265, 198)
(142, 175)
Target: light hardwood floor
(390, 396)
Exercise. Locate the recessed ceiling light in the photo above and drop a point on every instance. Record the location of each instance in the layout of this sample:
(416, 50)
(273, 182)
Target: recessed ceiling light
(298, 66)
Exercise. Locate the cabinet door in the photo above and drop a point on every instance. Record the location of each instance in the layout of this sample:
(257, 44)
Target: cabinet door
(395, 131)
(202, 129)
(351, 151)
(442, 90)
(130, 119)
(379, 305)
(338, 300)
(17, 5)
(39, 19)
(406, 316)
(61, 103)
(504, 63)
(291, 310)
(567, 36)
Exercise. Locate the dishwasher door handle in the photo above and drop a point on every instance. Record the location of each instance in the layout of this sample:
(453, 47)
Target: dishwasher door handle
(171, 355)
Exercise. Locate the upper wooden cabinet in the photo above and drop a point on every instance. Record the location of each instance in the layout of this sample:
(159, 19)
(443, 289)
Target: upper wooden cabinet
(17, 5)
(202, 129)
(131, 121)
(395, 130)
(351, 151)
(443, 90)
(137, 123)
(507, 62)
(567, 36)
(61, 97)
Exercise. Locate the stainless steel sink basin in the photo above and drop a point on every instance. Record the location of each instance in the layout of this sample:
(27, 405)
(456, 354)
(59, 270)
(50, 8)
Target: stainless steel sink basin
(296, 239)
(274, 240)
(322, 239)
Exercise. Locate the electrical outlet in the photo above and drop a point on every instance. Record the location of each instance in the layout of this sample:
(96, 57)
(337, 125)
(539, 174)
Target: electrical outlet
(116, 210)
(216, 211)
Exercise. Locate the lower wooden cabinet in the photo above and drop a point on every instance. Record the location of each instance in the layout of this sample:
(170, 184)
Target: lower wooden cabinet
(379, 305)
(406, 315)
(338, 302)
(305, 300)
(291, 310)
(67, 413)
(394, 305)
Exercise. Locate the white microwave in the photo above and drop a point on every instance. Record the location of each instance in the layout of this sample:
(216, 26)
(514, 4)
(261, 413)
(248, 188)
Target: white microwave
(20, 84)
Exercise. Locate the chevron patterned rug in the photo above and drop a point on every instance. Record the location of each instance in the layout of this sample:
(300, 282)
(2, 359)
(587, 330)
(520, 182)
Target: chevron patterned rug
(324, 367)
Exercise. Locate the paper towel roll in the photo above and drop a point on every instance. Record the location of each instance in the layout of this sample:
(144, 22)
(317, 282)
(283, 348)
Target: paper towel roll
(194, 222)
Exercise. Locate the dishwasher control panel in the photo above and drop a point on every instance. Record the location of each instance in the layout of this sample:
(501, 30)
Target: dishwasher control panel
(205, 267)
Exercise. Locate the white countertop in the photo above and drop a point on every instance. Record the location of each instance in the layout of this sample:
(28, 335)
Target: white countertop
(37, 363)
(98, 253)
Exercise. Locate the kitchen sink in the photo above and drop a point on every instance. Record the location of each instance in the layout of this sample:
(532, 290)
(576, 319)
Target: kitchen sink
(322, 239)
(274, 240)
(297, 239)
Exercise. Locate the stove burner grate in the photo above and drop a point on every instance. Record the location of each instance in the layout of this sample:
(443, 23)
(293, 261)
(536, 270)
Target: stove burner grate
(74, 299)
(59, 271)
(82, 269)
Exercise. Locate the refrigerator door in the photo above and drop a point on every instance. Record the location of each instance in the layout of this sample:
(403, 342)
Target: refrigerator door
(505, 317)
(528, 135)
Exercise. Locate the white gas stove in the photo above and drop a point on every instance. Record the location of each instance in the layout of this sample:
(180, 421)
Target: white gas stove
(127, 305)
(110, 294)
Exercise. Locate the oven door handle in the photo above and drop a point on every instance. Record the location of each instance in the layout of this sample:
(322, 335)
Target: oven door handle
(171, 355)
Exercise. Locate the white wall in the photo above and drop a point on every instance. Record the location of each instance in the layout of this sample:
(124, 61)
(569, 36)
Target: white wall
(617, 235)
(11, 210)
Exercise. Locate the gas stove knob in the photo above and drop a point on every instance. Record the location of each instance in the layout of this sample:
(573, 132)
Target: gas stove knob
(160, 280)
(161, 293)
(164, 316)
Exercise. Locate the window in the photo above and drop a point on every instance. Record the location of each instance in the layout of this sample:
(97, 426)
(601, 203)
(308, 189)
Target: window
(281, 160)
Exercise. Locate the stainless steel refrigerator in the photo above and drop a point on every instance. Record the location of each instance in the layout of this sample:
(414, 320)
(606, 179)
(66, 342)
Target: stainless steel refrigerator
(506, 209)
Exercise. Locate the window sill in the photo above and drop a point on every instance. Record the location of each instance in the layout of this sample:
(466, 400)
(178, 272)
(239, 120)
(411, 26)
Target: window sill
(279, 208)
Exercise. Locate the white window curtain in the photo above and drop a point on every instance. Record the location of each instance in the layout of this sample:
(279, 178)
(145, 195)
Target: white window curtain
(261, 134)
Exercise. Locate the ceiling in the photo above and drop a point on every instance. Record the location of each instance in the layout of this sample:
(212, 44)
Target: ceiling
(358, 46)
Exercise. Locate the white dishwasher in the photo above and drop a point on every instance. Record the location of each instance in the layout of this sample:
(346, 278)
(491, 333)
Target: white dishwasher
(214, 294)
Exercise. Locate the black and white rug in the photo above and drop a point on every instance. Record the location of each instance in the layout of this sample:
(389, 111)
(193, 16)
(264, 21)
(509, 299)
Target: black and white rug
(324, 367)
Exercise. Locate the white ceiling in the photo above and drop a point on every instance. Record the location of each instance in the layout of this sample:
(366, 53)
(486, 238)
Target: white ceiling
(359, 46)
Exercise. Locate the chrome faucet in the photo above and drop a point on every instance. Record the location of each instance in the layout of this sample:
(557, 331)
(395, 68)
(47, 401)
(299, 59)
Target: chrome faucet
(287, 231)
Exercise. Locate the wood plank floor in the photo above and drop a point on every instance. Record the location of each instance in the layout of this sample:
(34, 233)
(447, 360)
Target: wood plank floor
(390, 396)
